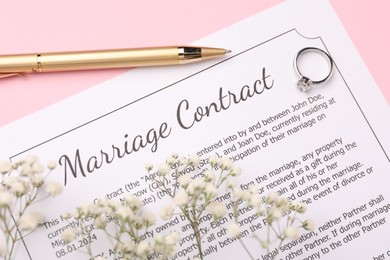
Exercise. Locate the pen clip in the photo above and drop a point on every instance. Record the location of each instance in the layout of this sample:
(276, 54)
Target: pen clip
(4, 75)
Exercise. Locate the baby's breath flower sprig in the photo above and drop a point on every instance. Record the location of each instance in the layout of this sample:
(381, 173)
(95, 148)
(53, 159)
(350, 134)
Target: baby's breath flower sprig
(194, 196)
(22, 185)
(173, 167)
(274, 209)
(125, 224)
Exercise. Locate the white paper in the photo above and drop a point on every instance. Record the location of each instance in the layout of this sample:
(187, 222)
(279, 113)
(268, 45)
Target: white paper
(339, 124)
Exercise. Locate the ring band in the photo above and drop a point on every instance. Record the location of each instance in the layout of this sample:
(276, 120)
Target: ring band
(305, 83)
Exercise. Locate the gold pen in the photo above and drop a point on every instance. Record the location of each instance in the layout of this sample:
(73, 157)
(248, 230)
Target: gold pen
(18, 64)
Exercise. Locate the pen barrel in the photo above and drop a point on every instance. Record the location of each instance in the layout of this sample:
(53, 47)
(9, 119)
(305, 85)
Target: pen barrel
(18, 63)
(121, 58)
(104, 59)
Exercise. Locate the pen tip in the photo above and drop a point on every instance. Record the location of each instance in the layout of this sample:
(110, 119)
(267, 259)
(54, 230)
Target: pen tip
(227, 51)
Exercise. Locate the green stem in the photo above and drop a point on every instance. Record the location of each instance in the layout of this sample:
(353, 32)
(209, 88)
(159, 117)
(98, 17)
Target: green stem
(246, 249)
(13, 238)
(195, 227)
(235, 212)
(280, 244)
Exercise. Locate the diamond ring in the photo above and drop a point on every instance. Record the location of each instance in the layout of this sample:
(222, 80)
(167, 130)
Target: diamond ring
(305, 83)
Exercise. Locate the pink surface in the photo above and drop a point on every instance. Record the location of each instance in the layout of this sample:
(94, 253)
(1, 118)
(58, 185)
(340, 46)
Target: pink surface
(44, 26)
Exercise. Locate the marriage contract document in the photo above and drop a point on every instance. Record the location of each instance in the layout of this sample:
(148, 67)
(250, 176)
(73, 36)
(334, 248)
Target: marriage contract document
(328, 148)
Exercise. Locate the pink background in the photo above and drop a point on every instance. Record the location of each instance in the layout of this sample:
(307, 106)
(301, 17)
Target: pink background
(44, 26)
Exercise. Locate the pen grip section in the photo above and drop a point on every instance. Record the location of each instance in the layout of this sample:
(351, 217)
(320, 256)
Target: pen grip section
(122, 58)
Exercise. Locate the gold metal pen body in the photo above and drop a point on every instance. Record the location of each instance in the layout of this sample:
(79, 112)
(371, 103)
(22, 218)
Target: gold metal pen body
(105, 59)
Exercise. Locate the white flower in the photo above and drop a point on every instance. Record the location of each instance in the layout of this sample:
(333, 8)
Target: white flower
(53, 188)
(148, 218)
(235, 171)
(166, 212)
(239, 193)
(37, 180)
(271, 197)
(5, 167)
(252, 189)
(291, 233)
(76, 214)
(282, 203)
(193, 160)
(308, 225)
(115, 204)
(264, 244)
(158, 239)
(124, 213)
(233, 230)
(254, 200)
(217, 209)
(9, 181)
(137, 222)
(214, 160)
(182, 161)
(29, 221)
(149, 167)
(210, 191)
(175, 155)
(37, 167)
(273, 214)
(102, 202)
(128, 246)
(30, 159)
(158, 243)
(26, 170)
(88, 208)
(143, 249)
(172, 238)
(68, 235)
(5, 199)
(301, 208)
(196, 186)
(100, 221)
(163, 169)
(133, 202)
(181, 198)
(170, 160)
(168, 244)
(184, 180)
(66, 215)
(226, 163)
(19, 188)
(209, 176)
(51, 165)
(260, 211)
(246, 195)
(293, 205)
(230, 184)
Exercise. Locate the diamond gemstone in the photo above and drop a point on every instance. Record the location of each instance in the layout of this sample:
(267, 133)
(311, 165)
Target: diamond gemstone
(304, 84)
